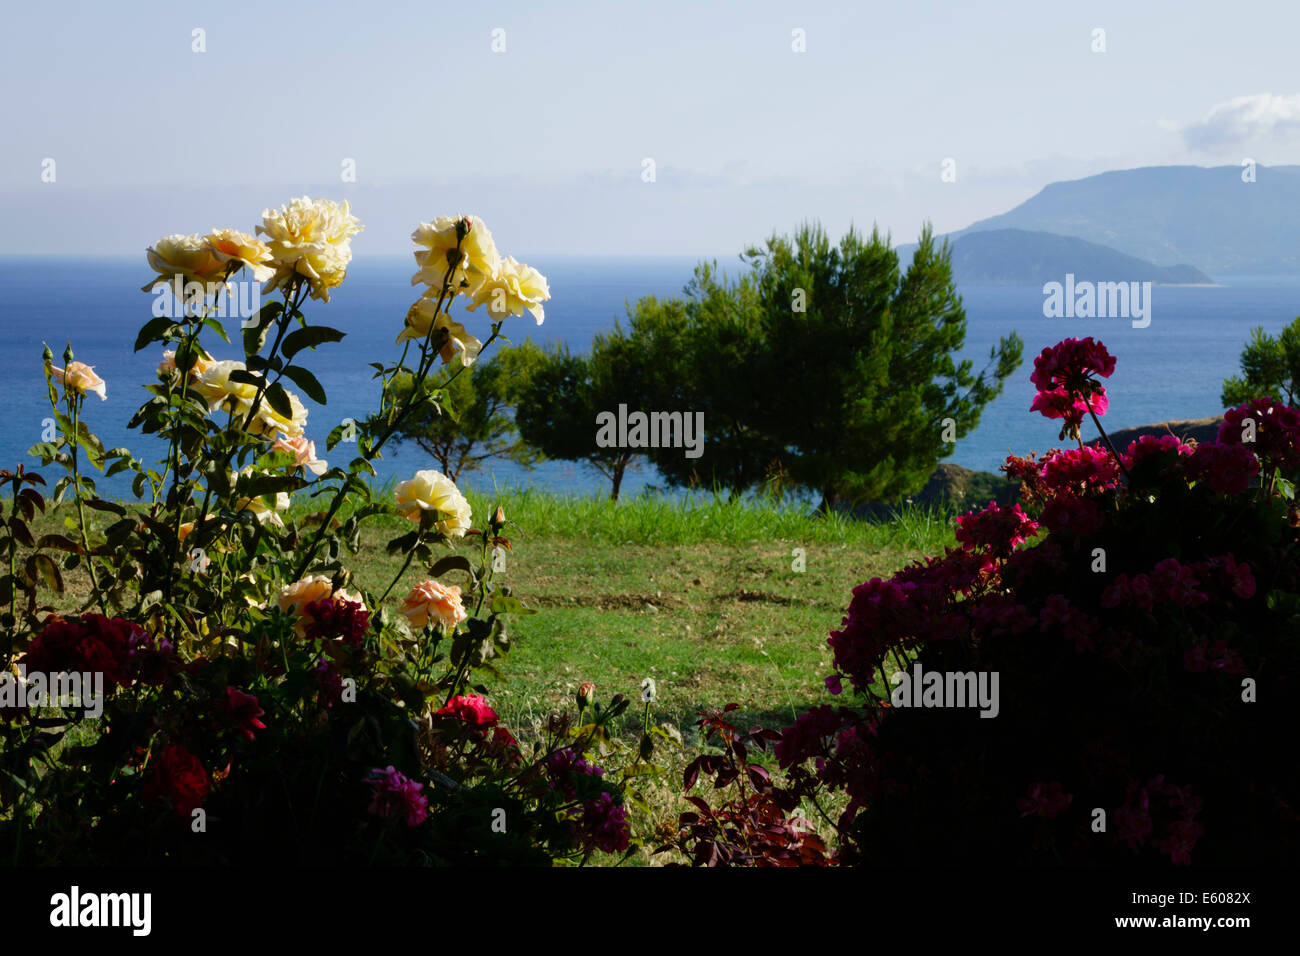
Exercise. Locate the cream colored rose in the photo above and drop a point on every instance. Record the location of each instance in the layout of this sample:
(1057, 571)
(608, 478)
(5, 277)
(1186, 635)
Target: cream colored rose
(478, 253)
(268, 421)
(168, 364)
(184, 259)
(229, 245)
(433, 491)
(431, 601)
(214, 384)
(311, 238)
(303, 451)
(260, 509)
(418, 320)
(513, 288)
(80, 377)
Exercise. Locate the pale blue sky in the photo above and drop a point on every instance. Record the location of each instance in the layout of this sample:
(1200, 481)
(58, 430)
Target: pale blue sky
(546, 140)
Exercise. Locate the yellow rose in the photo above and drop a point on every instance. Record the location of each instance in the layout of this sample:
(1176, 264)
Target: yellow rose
(311, 238)
(478, 253)
(431, 600)
(512, 289)
(434, 491)
(268, 421)
(214, 384)
(80, 377)
(229, 245)
(180, 259)
(418, 319)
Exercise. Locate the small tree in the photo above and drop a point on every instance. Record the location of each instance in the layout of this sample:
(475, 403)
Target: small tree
(1270, 366)
(560, 395)
(479, 423)
(825, 364)
(708, 352)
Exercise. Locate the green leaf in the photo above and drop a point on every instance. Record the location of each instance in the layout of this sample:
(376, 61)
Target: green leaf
(217, 327)
(258, 326)
(402, 544)
(308, 338)
(338, 432)
(152, 331)
(278, 399)
(44, 451)
(503, 604)
(187, 354)
(244, 377)
(257, 485)
(455, 562)
(306, 381)
(256, 363)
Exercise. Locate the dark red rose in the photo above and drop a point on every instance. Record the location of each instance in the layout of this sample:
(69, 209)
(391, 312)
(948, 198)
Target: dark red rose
(244, 710)
(470, 708)
(179, 776)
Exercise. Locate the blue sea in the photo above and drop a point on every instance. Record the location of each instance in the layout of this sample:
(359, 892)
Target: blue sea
(1170, 370)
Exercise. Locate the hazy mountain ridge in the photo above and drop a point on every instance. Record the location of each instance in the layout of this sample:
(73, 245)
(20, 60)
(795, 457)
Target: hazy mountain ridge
(1025, 257)
(1207, 217)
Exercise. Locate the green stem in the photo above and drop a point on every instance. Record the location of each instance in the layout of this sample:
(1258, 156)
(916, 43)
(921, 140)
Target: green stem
(13, 581)
(1106, 438)
(426, 361)
(410, 555)
(299, 293)
(296, 292)
(189, 344)
(74, 407)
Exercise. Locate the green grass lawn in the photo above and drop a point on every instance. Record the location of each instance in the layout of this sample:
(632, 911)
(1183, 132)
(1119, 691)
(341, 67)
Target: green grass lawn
(700, 595)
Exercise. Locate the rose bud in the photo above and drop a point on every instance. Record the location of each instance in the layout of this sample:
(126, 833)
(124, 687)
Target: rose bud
(585, 692)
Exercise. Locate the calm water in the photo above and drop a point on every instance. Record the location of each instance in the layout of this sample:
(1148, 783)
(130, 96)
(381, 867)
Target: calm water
(1172, 369)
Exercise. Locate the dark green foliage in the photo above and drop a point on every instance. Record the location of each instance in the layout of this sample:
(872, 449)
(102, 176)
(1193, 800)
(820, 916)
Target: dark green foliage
(1270, 366)
(471, 419)
(824, 365)
(559, 395)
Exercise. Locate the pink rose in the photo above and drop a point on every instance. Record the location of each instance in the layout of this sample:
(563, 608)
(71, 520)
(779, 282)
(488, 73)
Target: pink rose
(432, 601)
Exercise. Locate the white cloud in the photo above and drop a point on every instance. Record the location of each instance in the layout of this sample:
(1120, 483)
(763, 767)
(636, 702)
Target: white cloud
(1245, 120)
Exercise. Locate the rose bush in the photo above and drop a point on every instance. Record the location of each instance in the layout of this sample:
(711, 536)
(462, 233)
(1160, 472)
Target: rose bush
(1141, 610)
(261, 704)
